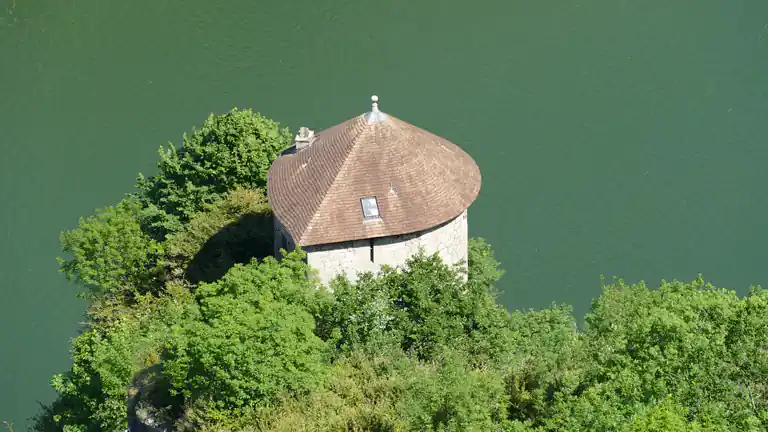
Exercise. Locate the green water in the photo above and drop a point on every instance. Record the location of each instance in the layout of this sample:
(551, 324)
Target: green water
(615, 137)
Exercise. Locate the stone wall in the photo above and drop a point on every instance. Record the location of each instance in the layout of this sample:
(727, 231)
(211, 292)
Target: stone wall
(448, 239)
(282, 239)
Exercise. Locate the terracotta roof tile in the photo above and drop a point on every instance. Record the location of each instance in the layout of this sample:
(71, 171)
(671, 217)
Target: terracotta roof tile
(419, 180)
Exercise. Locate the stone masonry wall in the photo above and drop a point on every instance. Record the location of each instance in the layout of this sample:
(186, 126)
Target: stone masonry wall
(449, 240)
(282, 239)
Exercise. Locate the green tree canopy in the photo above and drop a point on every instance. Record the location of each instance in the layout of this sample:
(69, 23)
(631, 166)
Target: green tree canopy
(108, 357)
(421, 306)
(233, 230)
(687, 345)
(110, 254)
(190, 331)
(253, 339)
(229, 151)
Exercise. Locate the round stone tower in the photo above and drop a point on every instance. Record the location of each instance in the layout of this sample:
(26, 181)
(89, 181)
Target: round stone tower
(372, 191)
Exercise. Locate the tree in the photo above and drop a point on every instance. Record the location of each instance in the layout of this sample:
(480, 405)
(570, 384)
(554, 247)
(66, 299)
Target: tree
(547, 358)
(230, 151)
(666, 416)
(235, 229)
(254, 339)
(391, 391)
(94, 394)
(420, 306)
(110, 254)
(451, 395)
(689, 342)
(191, 331)
(483, 269)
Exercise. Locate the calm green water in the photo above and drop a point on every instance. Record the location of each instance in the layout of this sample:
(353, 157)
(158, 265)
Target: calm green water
(615, 137)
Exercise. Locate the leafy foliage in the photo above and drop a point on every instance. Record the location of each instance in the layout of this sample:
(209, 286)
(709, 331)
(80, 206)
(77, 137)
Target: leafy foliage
(111, 255)
(483, 269)
(678, 340)
(453, 396)
(253, 340)
(548, 358)
(391, 391)
(669, 353)
(361, 394)
(421, 307)
(93, 394)
(228, 152)
(233, 230)
(189, 331)
(666, 416)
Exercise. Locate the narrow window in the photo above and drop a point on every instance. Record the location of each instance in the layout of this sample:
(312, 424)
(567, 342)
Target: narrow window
(371, 243)
(283, 242)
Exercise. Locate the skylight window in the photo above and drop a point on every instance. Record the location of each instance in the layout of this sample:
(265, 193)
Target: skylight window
(370, 207)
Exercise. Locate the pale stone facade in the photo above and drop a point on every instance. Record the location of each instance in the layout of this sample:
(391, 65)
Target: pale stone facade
(448, 239)
(371, 178)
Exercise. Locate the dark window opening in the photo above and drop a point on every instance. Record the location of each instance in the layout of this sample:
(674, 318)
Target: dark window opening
(371, 242)
(283, 242)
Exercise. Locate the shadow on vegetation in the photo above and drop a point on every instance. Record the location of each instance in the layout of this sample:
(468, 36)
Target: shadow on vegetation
(237, 243)
(151, 407)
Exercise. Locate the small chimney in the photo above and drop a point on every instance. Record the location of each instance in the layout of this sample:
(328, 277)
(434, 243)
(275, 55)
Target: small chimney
(304, 138)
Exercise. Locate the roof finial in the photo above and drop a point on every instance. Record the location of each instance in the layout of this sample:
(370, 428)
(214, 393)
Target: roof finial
(374, 116)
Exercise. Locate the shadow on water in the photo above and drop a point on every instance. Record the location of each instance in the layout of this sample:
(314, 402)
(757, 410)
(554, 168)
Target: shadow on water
(237, 243)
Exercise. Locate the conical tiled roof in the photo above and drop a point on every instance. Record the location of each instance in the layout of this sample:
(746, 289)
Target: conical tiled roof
(419, 181)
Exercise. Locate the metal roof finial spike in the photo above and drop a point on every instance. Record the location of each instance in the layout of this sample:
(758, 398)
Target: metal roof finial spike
(375, 100)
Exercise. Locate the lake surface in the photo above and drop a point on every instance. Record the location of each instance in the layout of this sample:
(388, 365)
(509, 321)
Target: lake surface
(617, 138)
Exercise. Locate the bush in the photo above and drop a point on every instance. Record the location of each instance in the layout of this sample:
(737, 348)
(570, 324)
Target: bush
(547, 359)
(666, 416)
(449, 395)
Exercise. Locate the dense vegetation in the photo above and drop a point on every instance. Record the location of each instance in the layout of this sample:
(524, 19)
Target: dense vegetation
(192, 327)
